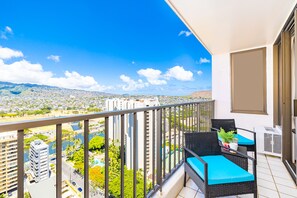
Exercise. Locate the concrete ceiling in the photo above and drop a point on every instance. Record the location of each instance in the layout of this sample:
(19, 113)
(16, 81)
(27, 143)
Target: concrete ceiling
(232, 25)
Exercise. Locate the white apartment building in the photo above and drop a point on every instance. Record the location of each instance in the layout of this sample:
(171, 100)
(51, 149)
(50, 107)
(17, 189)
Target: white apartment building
(115, 129)
(39, 162)
(8, 161)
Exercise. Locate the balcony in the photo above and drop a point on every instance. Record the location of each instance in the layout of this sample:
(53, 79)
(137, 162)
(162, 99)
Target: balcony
(158, 168)
(154, 174)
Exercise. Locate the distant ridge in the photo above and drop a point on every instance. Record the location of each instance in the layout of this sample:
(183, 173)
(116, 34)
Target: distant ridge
(10, 89)
(202, 94)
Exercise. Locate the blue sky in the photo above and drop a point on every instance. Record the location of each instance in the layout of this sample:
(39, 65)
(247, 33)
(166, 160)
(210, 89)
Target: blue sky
(135, 47)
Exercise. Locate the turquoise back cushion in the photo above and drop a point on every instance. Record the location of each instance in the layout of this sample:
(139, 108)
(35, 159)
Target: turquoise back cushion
(243, 140)
(220, 170)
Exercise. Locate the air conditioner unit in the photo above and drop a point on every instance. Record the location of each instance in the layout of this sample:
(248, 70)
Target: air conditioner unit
(269, 140)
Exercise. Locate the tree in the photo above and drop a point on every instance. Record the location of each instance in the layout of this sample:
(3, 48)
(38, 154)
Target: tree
(114, 158)
(115, 184)
(78, 158)
(79, 166)
(77, 144)
(69, 151)
(96, 143)
(28, 141)
(97, 176)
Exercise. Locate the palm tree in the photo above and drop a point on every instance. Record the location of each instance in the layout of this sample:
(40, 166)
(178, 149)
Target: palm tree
(69, 151)
(77, 144)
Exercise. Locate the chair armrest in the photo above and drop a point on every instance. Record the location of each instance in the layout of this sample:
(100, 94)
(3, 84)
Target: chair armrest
(215, 129)
(236, 158)
(195, 155)
(205, 165)
(246, 130)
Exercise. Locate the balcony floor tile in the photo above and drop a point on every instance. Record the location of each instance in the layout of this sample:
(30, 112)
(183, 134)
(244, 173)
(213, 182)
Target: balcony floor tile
(187, 192)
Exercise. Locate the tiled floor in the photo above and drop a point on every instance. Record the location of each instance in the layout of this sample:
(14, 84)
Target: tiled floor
(273, 181)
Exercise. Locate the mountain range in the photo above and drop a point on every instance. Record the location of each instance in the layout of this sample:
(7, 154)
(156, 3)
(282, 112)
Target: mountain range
(26, 89)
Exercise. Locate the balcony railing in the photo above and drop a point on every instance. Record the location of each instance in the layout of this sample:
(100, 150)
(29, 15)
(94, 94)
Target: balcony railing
(150, 141)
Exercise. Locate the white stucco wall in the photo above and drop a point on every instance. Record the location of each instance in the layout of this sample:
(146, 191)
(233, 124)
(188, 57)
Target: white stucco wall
(221, 92)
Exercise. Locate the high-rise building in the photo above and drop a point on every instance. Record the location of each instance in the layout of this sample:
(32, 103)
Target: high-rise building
(115, 129)
(39, 162)
(8, 161)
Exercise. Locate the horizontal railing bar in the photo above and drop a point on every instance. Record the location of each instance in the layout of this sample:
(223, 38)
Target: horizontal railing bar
(14, 126)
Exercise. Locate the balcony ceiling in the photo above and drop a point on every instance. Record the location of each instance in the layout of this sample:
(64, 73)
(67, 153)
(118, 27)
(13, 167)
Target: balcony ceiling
(231, 25)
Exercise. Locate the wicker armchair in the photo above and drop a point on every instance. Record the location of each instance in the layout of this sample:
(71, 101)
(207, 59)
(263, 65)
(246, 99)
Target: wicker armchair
(229, 125)
(215, 171)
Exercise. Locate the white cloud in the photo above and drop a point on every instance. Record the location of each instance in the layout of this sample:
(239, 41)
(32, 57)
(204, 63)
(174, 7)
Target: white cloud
(185, 32)
(54, 58)
(200, 72)
(203, 60)
(153, 76)
(7, 31)
(179, 73)
(23, 71)
(131, 84)
(7, 53)
(74, 80)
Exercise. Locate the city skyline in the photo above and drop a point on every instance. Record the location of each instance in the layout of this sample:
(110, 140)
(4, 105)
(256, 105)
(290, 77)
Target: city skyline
(142, 49)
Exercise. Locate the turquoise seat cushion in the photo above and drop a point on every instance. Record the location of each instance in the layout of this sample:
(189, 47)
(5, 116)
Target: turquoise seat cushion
(220, 170)
(243, 140)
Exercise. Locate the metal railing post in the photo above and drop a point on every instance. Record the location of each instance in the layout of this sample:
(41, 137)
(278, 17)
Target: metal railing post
(86, 158)
(174, 136)
(59, 160)
(164, 142)
(122, 154)
(169, 128)
(20, 161)
(179, 130)
(144, 151)
(135, 151)
(159, 148)
(154, 145)
(106, 156)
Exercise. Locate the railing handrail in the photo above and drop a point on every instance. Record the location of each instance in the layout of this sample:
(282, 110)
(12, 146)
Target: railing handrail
(20, 125)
